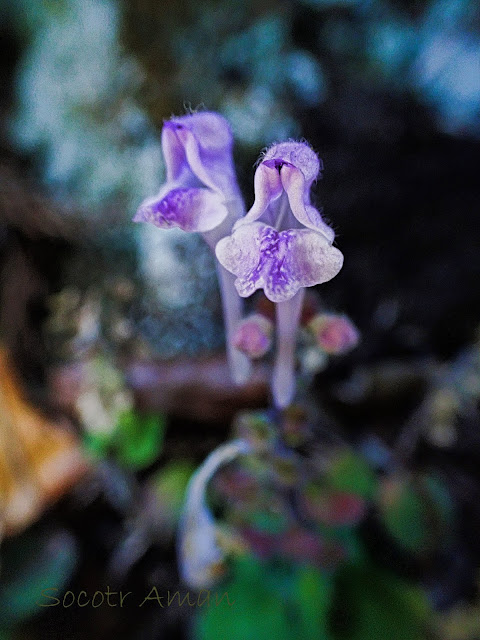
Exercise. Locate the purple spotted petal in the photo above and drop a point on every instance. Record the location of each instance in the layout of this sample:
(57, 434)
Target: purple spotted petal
(189, 209)
(201, 188)
(279, 262)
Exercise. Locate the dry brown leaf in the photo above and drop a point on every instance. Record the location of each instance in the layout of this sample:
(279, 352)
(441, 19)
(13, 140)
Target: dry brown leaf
(39, 459)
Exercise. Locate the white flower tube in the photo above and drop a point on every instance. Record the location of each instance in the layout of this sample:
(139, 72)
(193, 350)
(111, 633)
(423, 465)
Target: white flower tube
(200, 557)
(283, 380)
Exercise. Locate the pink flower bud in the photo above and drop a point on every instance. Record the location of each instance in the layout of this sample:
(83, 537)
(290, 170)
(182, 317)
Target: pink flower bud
(333, 333)
(253, 336)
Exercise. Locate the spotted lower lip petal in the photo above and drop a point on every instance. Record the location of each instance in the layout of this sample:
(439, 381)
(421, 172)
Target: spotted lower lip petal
(189, 209)
(279, 262)
(200, 180)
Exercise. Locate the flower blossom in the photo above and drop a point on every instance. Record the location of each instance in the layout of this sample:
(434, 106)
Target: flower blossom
(200, 185)
(201, 194)
(282, 245)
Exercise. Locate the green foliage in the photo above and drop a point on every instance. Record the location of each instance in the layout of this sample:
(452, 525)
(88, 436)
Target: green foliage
(314, 589)
(284, 601)
(373, 604)
(170, 484)
(349, 472)
(269, 600)
(32, 562)
(416, 512)
(136, 442)
(138, 439)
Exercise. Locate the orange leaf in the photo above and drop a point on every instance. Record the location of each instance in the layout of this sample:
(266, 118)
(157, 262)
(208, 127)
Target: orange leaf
(39, 459)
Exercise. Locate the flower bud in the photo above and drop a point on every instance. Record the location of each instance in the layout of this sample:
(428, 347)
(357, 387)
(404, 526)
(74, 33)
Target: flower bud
(335, 334)
(253, 336)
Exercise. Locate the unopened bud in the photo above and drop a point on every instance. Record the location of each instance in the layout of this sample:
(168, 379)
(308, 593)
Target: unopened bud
(253, 336)
(335, 334)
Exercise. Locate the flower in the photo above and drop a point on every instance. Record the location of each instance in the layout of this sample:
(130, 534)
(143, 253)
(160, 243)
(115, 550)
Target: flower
(282, 244)
(334, 334)
(253, 335)
(200, 183)
(201, 194)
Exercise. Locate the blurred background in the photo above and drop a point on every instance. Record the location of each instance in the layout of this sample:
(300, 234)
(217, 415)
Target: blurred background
(365, 523)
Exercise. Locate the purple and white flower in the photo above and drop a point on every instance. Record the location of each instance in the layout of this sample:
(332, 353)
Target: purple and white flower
(282, 245)
(201, 194)
(201, 189)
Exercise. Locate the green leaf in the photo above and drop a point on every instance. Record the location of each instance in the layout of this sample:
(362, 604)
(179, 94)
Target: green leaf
(97, 444)
(403, 515)
(371, 604)
(138, 439)
(32, 562)
(416, 512)
(170, 484)
(272, 600)
(256, 613)
(351, 473)
(315, 590)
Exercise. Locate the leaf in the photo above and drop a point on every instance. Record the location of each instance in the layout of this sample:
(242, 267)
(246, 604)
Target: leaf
(138, 439)
(97, 444)
(371, 604)
(315, 590)
(39, 459)
(274, 600)
(416, 512)
(350, 473)
(256, 613)
(170, 484)
(31, 562)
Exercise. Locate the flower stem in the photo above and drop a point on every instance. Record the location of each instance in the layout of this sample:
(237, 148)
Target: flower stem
(232, 304)
(283, 381)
